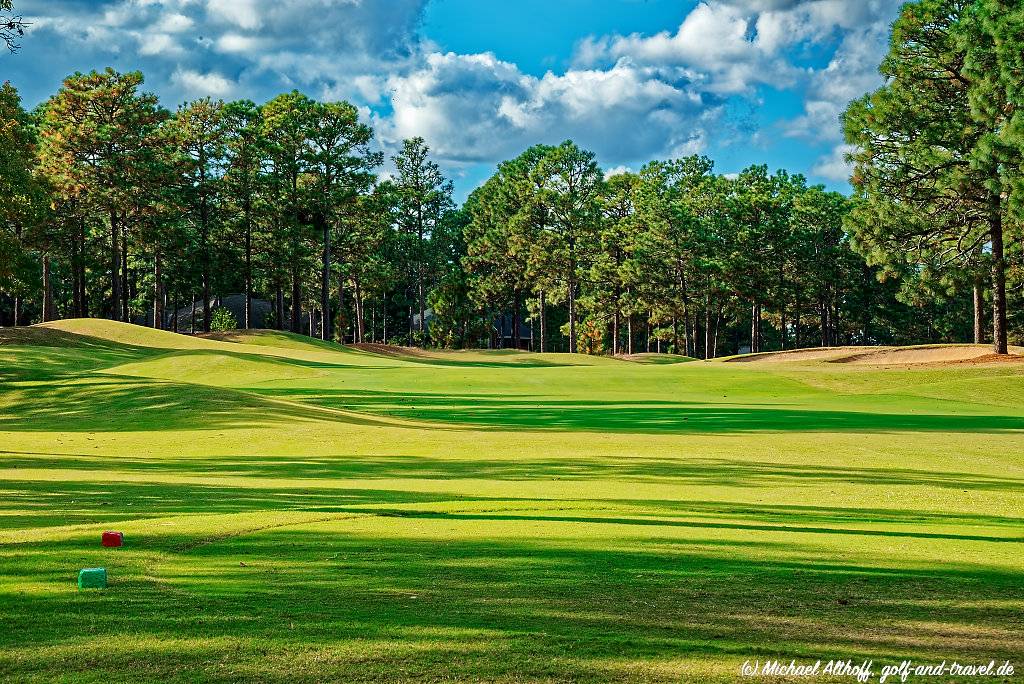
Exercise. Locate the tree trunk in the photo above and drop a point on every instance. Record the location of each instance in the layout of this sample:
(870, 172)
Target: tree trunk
(115, 267)
(714, 340)
(158, 309)
(543, 322)
(279, 307)
(615, 332)
(419, 277)
(796, 323)
(325, 282)
(572, 316)
(515, 320)
(999, 341)
(192, 318)
(207, 315)
(833, 320)
(629, 334)
(572, 295)
(296, 326)
(204, 236)
(357, 293)
(76, 293)
(979, 311)
(248, 268)
(47, 291)
(125, 292)
(783, 332)
(81, 269)
(422, 306)
(823, 314)
(755, 329)
(707, 328)
(77, 256)
(687, 326)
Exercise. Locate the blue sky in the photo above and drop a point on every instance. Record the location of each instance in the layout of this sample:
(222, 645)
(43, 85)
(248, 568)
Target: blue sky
(742, 81)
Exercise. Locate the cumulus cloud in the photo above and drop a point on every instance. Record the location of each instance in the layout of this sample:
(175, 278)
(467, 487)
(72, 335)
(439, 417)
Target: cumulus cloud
(246, 14)
(714, 43)
(834, 166)
(627, 97)
(852, 71)
(619, 170)
(266, 45)
(196, 84)
(734, 46)
(478, 108)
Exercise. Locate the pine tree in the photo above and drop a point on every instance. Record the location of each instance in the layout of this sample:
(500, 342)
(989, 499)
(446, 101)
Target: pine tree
(98, 139)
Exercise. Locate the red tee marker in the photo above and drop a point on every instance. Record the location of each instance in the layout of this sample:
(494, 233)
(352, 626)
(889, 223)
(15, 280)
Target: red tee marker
(113, 538)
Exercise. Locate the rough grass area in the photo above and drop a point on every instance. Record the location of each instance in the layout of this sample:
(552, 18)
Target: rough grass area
(295, 511)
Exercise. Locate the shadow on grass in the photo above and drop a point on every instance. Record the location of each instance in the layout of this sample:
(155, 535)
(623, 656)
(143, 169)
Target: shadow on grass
(132, 404)
(37, 503)
(33, 504)
(39, 353)
(496, 412)
(36, 353)
(128, 403)
(363, 608)
(703, 471)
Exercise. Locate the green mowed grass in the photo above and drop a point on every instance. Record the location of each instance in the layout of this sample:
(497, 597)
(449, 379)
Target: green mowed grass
(295, 511)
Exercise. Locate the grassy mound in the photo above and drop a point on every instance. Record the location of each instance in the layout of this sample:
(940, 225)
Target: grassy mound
(301, 511)
(121, 333)
(273, 338)
(652, 358)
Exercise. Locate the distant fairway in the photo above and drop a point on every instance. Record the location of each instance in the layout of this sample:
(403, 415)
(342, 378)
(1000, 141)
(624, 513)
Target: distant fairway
(298, 511)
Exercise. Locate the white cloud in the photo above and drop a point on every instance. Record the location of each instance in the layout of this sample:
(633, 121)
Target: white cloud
(245, 14)
(196, 84)
(157, 44)
(173, 22)
(834, 166)
(619, 170)
(628, 97)
(237, 43)
(479, 108)
(716, 43)
(733, 46)
(851, 72)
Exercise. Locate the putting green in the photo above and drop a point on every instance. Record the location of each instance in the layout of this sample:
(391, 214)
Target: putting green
(297, 511)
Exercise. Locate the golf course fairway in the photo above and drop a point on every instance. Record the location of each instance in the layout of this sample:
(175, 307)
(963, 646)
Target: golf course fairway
(295, 510)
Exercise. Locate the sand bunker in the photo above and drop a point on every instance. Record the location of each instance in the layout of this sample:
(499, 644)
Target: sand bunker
(653, 358)
(792, 355)
(941, 355)
(392, 350)
(937, 355)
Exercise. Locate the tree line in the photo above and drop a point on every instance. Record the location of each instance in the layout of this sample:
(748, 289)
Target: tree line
(116, 207)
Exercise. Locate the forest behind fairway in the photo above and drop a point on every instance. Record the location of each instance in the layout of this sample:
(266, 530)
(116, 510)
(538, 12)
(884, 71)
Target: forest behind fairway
(296, 510)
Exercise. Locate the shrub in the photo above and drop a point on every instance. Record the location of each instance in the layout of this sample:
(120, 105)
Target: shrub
(223, 320)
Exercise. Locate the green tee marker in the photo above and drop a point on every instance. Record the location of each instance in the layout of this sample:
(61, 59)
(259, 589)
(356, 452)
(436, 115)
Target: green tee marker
(92, 578)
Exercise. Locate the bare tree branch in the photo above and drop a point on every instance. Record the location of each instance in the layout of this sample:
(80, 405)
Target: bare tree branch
(12, 26)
